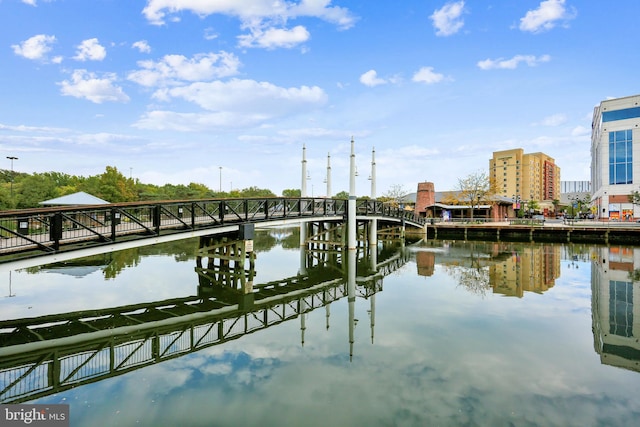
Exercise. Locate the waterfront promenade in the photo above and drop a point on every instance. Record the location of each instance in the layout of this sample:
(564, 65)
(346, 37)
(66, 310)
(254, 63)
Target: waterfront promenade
(531, 230)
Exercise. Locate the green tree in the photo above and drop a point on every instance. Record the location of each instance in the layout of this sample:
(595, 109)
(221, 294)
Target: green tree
(341, 195)
(34, 189)
(291, 192)
(114, 187)
(256, 192)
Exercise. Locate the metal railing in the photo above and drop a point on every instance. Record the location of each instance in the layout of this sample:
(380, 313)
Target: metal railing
(48, 229)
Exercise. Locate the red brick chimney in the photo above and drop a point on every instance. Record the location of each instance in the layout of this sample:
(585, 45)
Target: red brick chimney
(426, 196)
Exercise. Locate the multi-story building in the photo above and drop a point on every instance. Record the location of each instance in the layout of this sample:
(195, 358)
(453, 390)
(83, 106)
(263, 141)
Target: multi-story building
(532, 176)
(575, 187)
(615, 169)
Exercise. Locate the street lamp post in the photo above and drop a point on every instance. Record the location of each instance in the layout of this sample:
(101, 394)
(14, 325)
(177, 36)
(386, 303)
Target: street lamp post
(220, 187)
(12, 158)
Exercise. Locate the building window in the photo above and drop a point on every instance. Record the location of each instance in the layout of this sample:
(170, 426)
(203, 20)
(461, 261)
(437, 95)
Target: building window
(620, 157)
(621, 308)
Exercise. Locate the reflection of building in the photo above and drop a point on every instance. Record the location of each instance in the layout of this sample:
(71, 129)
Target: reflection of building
(426, 262)
(614, 134)
(616, 307)
(531, 269)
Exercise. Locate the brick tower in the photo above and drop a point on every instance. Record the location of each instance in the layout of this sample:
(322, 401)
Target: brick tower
(426, 196)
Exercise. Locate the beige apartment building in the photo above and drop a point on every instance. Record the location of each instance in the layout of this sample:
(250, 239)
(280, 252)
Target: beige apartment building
(532, 176)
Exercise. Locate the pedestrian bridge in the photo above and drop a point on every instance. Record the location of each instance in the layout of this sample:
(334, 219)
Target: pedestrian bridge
(70, 232)
(40, 356)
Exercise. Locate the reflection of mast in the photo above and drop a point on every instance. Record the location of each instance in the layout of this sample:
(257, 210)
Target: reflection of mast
(351, 247)
(351, 297)
(328, 314)
(372, 315)
(303, 321)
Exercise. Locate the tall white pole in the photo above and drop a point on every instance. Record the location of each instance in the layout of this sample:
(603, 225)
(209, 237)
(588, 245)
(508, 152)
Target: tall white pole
(303, 225)
(303, 188)
(328, 175)
(351, 207)
(373, 225)
(373, 174)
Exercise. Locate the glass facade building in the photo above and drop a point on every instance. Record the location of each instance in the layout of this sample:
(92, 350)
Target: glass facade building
(614, 160)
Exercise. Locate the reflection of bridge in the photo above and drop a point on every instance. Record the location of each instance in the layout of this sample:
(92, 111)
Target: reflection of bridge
(54, 232)
(49, 354)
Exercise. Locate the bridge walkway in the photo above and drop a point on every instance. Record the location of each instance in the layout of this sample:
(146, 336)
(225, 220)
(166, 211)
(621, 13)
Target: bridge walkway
(36, 232)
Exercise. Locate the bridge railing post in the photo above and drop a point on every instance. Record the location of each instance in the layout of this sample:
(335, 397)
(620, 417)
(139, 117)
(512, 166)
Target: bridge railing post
(55, 230)
(114, 223)
(157, 218)
(223, 207)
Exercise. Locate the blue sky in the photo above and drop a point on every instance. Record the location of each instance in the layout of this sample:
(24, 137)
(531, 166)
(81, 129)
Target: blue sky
(170, 91)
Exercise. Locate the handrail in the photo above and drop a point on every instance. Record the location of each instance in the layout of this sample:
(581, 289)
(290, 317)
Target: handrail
(49, 229)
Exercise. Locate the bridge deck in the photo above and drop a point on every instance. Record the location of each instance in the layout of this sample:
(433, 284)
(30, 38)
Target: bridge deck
(36, 232)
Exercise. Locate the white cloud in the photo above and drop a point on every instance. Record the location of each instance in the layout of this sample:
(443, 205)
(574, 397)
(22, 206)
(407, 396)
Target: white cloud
(172, 69)
(370, 78)
(210, 34)
(142, 46)
(194, 122)
(274, 38)
(251, 11)
(264, 19)
(90, 50)
(87, 85)
(545, 16)
(231, 104)
(510, 64)
(427, 75)
(447, 20)
(581, 131)
(30, 2)
(554, 120)
(248, 96)
(35, 47)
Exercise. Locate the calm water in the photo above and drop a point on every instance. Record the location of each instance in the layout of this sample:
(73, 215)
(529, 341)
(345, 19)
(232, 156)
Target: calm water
(477, 334)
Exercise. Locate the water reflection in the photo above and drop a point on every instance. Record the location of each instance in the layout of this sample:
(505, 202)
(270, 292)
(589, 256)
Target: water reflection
(500, 268)
(615, 306)
(53, 353)
(448, 348)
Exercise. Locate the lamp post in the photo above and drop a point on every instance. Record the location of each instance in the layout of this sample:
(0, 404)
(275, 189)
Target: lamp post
(12, 158)
(220, 187)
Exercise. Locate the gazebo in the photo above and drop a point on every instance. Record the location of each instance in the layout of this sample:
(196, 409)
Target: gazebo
(76, 199)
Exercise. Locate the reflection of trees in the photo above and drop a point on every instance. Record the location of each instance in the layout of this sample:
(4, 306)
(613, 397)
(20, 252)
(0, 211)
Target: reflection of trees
(181, 250)
(475, 277)
(471, 267)
(263, 241)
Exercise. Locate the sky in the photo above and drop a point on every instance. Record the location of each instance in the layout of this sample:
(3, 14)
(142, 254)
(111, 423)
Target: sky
(227, 93)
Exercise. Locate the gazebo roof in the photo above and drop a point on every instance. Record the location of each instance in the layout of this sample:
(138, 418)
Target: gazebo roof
(75, 199)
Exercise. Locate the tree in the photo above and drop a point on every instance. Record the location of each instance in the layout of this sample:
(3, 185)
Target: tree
(291, 192)
(35, 189)
(394, 195)
(532, 206)
(341, 195)
(634, 197)
(474, 189)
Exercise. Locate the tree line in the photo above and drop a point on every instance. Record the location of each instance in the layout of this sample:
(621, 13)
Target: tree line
(23, 191)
